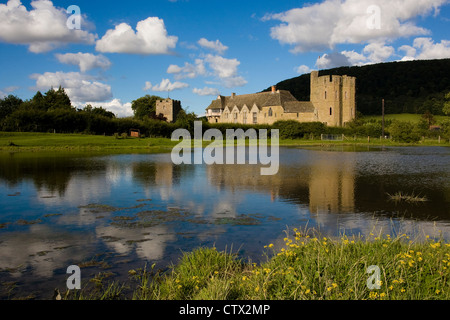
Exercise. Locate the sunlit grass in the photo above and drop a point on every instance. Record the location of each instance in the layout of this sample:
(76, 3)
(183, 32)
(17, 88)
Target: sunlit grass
(307, 266)
(403, 197)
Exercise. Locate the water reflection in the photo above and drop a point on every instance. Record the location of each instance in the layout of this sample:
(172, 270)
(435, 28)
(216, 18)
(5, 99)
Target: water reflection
(62, 209)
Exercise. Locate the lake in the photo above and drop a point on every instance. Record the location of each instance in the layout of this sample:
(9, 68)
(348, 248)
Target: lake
(114, 213)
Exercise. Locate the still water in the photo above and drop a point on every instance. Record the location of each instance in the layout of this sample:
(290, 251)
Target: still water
(113, 213)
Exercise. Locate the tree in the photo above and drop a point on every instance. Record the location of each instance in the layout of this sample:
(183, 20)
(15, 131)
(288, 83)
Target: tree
(144, 106)
(98, 111)
(446, 108)
(57, 99)
(8, 105)
(402, 131)
(429, 118)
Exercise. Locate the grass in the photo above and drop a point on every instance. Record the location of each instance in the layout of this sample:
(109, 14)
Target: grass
(307, 267)
(414, 118)
(35, 142)
(28, 141)
(402, 197)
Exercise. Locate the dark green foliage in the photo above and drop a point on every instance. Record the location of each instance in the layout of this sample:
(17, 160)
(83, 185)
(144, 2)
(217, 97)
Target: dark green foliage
(402, 131)
(292, 129)
(407, 87)
(8, 105)
(145, 106)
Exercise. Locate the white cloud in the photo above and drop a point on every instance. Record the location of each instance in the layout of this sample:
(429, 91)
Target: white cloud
(213, 45)
(165, 85)
(115, 106)
(425, 48)
(226, 70)
(302, 69)
(222, 67)
(206, 91)
(372, 53)
(85, 61)
(378, 52)
(150, 38)
(79, 87)
(332, 60)
(43, 28)
(188, 70)
(331, 22)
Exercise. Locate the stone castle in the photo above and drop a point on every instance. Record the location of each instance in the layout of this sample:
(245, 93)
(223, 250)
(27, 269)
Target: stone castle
(168, 108)
(332, 102)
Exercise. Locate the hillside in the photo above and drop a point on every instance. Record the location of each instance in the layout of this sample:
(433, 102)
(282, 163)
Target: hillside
(407, 87)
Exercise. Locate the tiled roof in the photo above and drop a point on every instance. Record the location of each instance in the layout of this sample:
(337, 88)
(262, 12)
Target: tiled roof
(264, 99)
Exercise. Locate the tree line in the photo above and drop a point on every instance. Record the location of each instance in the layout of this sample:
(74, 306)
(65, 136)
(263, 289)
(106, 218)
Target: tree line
(53, 112)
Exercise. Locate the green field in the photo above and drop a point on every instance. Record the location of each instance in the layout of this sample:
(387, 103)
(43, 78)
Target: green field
(27, 141)
(414, 118)
(34, 142)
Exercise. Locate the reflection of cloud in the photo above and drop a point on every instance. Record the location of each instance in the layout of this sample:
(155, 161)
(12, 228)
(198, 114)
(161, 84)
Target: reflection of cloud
(149, 243)
(43, 249)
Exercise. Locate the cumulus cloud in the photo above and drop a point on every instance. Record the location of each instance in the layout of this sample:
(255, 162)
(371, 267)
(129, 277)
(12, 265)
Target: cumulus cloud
(222, 67)
(332, 22)
(188, 70)
(43, 28)
(206, 91)
(115, 106)
(150, 38)
(302, 69)
(79, 87)
(378, 52)
(165, 85)
(85, 61)
(213, 45)
(425, 49)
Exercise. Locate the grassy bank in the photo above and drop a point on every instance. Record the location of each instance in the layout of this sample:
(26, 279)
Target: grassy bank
(25, 141)
(307, 266)
(414, 118)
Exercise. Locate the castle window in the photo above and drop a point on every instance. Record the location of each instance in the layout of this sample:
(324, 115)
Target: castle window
(270, 112)
(297, 114)
(331, 111)
(345, 95)
(325, 95)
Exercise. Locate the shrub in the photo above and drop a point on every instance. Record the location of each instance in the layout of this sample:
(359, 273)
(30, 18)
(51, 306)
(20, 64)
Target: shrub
(402, 131)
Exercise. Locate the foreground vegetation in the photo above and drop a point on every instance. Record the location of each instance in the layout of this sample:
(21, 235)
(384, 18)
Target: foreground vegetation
(307, 266)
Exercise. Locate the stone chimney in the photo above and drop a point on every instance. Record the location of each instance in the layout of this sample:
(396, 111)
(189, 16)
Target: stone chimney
(274, 89)
(233, 95)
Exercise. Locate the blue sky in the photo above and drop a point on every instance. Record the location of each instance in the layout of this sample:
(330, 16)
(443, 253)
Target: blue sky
(193, 50)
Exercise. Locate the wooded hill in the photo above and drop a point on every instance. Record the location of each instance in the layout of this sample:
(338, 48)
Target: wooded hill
(407, 87)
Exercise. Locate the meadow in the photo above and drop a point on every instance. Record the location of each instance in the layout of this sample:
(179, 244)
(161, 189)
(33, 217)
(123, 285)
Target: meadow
(34, 142)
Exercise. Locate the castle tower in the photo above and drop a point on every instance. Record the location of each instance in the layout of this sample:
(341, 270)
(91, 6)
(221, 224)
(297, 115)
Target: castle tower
(333, 98)
(168, 108)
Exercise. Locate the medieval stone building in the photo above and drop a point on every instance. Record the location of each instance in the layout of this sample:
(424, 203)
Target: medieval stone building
(168, 108)
(332, 101)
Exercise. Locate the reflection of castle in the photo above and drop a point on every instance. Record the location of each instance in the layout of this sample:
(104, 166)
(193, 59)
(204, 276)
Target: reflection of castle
(326, 185)
(331, 189)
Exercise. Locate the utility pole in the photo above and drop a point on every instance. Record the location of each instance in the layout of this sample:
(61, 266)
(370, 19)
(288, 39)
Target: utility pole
(382, 122)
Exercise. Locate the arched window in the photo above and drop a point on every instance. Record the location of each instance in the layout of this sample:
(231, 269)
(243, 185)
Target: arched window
(270, 112)
(331, 111)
